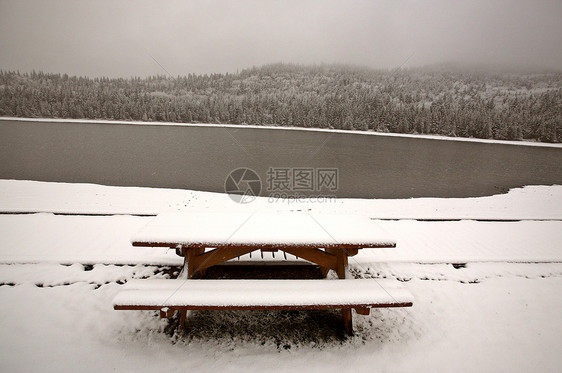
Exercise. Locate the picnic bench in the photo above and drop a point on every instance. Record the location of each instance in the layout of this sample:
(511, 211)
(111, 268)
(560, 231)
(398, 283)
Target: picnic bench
(208, 239)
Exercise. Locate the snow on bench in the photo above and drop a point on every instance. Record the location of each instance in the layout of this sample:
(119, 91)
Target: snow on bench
(169, 295)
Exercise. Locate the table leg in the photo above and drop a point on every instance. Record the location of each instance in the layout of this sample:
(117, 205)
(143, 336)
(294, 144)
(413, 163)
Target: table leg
(190, 255)
(324, 271)
(183, 272)
(341, 266)
(347, 321)
(183, 314)
(187, 272)
(341, 255)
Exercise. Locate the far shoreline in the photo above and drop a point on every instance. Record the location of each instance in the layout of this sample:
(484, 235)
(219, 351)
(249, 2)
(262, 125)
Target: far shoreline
(270, 127)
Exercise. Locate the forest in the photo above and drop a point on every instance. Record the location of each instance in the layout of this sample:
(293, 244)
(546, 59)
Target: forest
(440, 99)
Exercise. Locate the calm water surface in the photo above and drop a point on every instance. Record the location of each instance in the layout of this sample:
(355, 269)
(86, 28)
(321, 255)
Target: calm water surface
(200, 158)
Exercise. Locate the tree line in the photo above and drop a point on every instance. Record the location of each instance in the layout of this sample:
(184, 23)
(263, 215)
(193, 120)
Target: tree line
(442, 99)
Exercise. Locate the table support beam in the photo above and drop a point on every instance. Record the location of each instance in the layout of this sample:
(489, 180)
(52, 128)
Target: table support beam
(317, 256)
(199, 260)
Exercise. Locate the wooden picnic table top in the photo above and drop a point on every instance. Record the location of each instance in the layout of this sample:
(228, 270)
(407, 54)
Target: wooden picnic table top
(262, 230)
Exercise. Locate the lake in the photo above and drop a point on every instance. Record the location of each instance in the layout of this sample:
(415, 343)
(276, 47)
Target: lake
(201, 158)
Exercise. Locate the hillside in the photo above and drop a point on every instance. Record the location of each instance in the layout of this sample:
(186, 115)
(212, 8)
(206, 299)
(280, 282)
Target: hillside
(443, 99)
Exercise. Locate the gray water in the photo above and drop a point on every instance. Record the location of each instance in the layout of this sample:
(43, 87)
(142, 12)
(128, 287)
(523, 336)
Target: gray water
(200, 158)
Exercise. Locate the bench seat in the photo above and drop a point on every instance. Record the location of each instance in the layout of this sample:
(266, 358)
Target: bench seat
(168, 295)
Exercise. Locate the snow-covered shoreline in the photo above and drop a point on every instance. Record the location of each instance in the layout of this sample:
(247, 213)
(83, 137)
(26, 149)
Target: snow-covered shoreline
(21, 196)
(325, 130)
(528, 226)
(498, 312)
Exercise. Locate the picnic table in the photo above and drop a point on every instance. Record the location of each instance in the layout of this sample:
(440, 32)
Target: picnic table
(209, 239)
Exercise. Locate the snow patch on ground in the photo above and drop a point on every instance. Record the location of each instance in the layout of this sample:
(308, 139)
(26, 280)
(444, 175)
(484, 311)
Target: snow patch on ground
(52, 274)
(17, 196)
(469, 241)
(500, 324)
(63, 239)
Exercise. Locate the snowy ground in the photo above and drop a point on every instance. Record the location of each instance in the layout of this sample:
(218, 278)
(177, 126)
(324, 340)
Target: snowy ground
(499, 312)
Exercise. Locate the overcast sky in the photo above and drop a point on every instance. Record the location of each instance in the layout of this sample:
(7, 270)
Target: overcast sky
(124, 38)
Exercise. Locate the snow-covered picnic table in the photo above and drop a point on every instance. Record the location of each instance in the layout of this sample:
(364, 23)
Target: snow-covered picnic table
(208, 239)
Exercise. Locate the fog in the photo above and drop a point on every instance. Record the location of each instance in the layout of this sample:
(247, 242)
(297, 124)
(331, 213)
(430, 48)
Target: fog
(123, 39)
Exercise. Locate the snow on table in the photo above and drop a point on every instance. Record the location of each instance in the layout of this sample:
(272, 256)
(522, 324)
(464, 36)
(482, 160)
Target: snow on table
(263, 229)
(262, 293)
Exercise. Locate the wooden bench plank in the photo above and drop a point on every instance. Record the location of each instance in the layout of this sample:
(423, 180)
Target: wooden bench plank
(261, 294)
